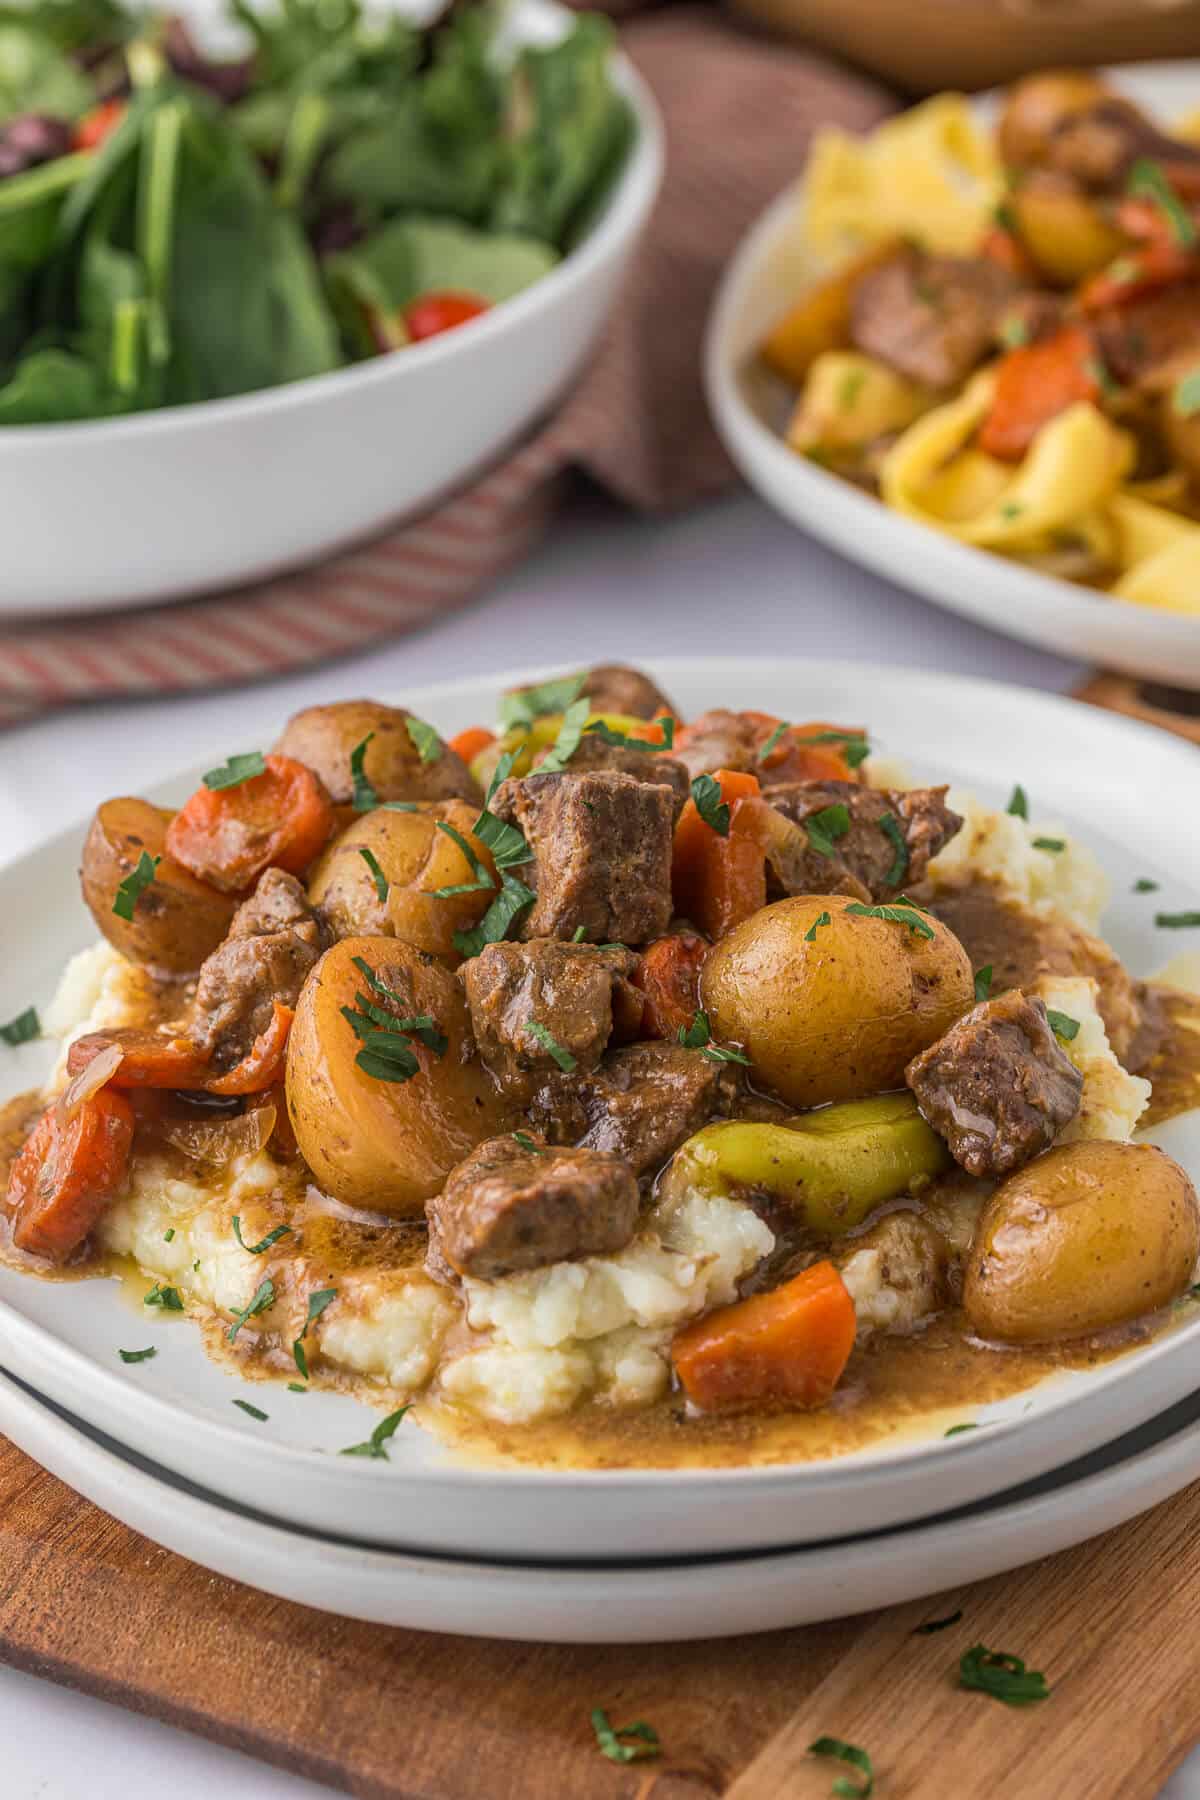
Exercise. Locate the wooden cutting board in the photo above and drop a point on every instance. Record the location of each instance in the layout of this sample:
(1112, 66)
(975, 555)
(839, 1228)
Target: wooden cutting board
(401, 1715)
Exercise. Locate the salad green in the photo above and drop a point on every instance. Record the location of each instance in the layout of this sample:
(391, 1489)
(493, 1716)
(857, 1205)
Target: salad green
(176, 228)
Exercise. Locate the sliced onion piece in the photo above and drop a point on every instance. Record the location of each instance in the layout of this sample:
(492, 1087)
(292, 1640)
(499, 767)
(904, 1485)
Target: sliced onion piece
(221, 1140)
(90, 1079)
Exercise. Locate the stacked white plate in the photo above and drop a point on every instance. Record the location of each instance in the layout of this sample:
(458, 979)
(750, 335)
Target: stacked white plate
(423, 1541)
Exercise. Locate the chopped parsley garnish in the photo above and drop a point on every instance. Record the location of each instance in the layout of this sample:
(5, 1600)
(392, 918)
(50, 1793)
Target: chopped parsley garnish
(1148, 179)
(1177, 921)
(771, 742)
(932, 1625)
(706, 792)
(855, 747)
(401, 806)
(296, 1387)
(810, 935)
(387, 1051)
(824, 827)
(698, 1036)
(254, 1411)
(316, 1306)
(264, 1296)
(902, 911)
(956, 1429)
(377, 874)
(482, 882)
(136, 1356)
(608, 1739)
(1099, 373)
(429, 745)
(169, 1233)
(1002, 1676)
(497, 921)
(235, 771)
(1012, 509)
(1185, 396)
(376, 1444)
(850, 387)
(541, 1034)
(1018, 804)
(364, 798)
(1014, 332)
(890, 827)
(526, 1142)
(579, 933)
(1144, 885)
(1055, 844)
(263, 1244)
(567, 741)
(520, 709)
(509, 850)
(621, 740)
(134, 885)
(23, 1029)
(847, 1753)
(166, 1297)
(983, 982)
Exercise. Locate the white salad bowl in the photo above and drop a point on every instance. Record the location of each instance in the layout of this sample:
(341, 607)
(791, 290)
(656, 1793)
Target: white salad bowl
(156, 506)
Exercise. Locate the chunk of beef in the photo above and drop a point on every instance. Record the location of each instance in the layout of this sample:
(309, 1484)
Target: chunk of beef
(593, 753)
(618, 688)
(998, 1086)
(642, 1102)
(1144, 341)
(512, 1206)
(1020, 946)
(1098, 145)
(890, 843)
(273, 942)
(573, 990)
(720, 739)
(932, 318)
(1028, 317)
(601, 848)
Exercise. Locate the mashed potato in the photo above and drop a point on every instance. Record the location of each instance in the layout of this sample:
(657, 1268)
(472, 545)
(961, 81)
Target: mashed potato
(1001, 848)
(1113, 1100)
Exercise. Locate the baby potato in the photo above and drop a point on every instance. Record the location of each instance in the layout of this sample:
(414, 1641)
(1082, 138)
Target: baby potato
(323, 737)
(833, 1010)
(1038, 105)
(385, 1145)
(1085, 1237)
(416, 859)
(177, 920)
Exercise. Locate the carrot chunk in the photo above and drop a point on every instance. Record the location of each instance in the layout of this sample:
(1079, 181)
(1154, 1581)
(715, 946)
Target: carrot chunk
(470, 742)
(67, 1173)
(669, 977)
(812, 752)
(720, 880)
(263, 1062)
(1146, 270)
(148, 1059)
(280, 819)
(788, 1347)
(1033, 385)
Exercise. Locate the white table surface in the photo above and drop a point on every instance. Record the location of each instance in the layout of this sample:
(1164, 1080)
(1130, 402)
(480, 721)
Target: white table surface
(729, 577)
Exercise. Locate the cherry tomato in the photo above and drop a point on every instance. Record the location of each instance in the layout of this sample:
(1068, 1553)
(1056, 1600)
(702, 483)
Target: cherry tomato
(95, 126)
(432, 313)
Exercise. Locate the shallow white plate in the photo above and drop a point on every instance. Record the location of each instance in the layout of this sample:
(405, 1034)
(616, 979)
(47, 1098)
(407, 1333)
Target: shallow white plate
(1129, 791)
(768, 269)
(649, 1602)
(111, 513)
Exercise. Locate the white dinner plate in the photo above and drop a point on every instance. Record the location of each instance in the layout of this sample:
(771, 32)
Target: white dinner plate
(1127, 789)
(648, 1602)
(768, 270)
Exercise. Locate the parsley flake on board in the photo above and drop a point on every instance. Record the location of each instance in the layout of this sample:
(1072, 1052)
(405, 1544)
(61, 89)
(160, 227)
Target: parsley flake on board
(855, 747)
(541, 1034)
(608, 1739)
(1018, 804)
(264, 1296)
(426, 741)
(810, 935)
(567, 742)
(1144, 885)
(254, 1411)
(130, 891)
(1002, 1676)
(521, 708)
(238, 769)
(316, 1306)
(263, 1244)
(1177, 921)
(902, 911)
(706, 792)
(1149, 181)
(983, 982)
(23, 1029)
(166, 1297)
(136, 1356)
(377, 874)
(482, 882)
(1055, 844)
(364, 797)
(824, 827)
(376, 1444)
(847, 1753)
(890, 827)
(1185, 397)
(933, 1625)
(1062, 1025)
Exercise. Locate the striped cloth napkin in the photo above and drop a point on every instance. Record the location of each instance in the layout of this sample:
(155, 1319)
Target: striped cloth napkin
(739, 113)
